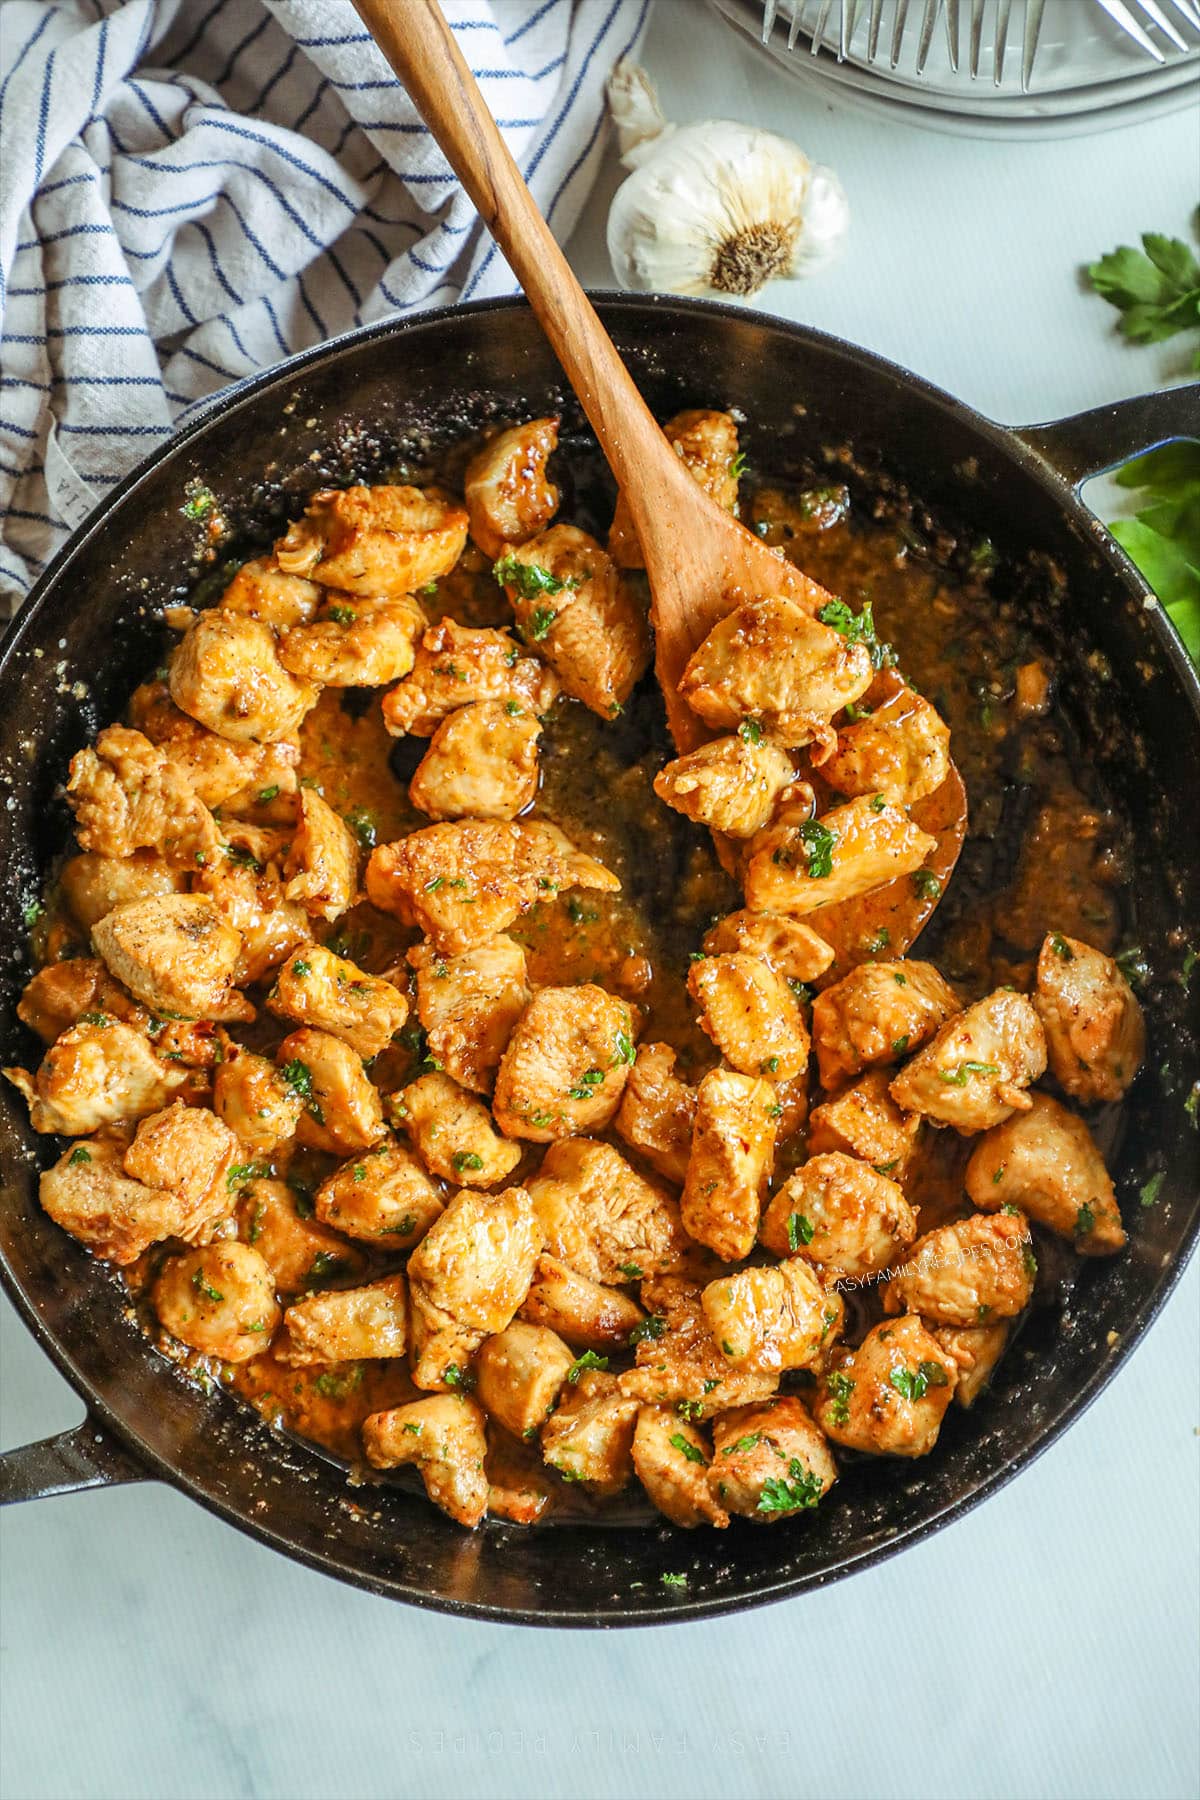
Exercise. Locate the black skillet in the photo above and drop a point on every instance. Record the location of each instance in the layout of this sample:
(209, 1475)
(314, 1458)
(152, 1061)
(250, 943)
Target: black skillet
(349, 409)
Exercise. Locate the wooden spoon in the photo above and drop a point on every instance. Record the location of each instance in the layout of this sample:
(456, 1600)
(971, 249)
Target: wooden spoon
(700, 561)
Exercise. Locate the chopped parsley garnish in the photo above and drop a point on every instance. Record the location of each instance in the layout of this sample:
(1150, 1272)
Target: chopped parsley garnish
(512, 709)
(690, 1409)
(653, 1326)
(466, 1159)
(769, 1065)
(411, 1426)
(590, 1079)
(839, 1387)
(878, 941)
(674, 1581)
(1149, 1191)
(630, 1270)
(912, 1384)
(199, 504)
(342, 615)
(529, 580)
(799, 1230)
(268, 793)
(579, 914)
(589, 1360)
(818, 841)
(900, 1045)
(1133, 964)
(878, 802)
(1085, 1220)
(625, 1052)
(737, 465)
(298, 1076)
(363, 826)
(926, 884)
(205, 1288)
(801, 1489)
(462, 1379)
(744, 1443)
(1061, 948)
(541, 622)
(686, 1448)
(82, 1155)
(857, 628)
(241, 858)
(958, 1077)
(93, 1018)
(750, 731)
(434, 883)
(241, 1175)
(800, 990)
(300, 969)
(33, 912)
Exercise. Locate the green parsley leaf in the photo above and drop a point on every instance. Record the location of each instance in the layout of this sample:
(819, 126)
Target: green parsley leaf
(541, 622)
(900, 1045)
(1163, 536)
(802, 1489)
(1085, 1220)
(674, 1581)
(927, 884)
(363, 826)
(857, 628)
(411, 1426)
(690, 1409)
(466, 1159)
(205, 1288)
(240, 1175)
(589, 1360)
(818, 841)
(462, 1379)
(301, 968)
(913, 1383)
(1155, 289)
(958, 1077)
(82, 1155)
(33, 913)
(744, 1443)
(685, 1448)
(342, 615)
(630, 1270)
(1149, 1191)
(268, 793)
(650, 1327)
(529, 579)
(625, 1052)
(198, 504)
(737, 465)
(799, 1230)
(1061, 948)
(750, 731)
(839, 1387)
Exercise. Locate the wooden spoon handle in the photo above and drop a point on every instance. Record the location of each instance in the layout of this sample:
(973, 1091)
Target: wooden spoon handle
(421, 48)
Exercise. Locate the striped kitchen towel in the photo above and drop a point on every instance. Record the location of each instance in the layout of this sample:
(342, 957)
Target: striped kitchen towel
(193, 189)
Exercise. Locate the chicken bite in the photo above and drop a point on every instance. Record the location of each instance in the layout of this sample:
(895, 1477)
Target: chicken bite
(226, 674)
(460, 665)
(1095, 1034)
(1045, 1161)
(901, 750)
(322, 866)
(864, 1121)
(974, 1350)
(468, 1005)
(671, 1460)
(791, 947)
(88, 1194)
(317, 988)
(445, 1438)
(477, 1261)
(733, 1148)
(261, 590)
(730, 784)
(656, 1112)
(975, 1071)
(582, 1311)
(840, 1214)
(889, 1396)
(589, 1437)
(355, 642)
(706, 443)
(770, 1461)
(603, 1218)
(222, 772)
(463, 882)
(176, 954)
(219, 1300)
(848, 851)
(751, 1015)
(509, 496)
(519, 1488)
(565, 1065)
(342, 1111)
(973, 1272)
(127, 795)
(571, 600)
(98, 1072)
(382, 1196)
(482, 763)
(251, 1096)
(771, 661)
(520, 1373)
(95, 884)
(381, 540)
(249, 897)
(347, 1324)
(297, 1250)
(774, 1318)
(879, 1013)
(187, 1150)
(679, 1362)
(452, 1131)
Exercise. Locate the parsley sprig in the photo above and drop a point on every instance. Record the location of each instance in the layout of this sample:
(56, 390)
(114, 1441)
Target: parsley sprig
(1155, 289)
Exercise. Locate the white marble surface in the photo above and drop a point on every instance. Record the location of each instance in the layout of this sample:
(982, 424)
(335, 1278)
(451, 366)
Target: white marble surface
(1044, 1648)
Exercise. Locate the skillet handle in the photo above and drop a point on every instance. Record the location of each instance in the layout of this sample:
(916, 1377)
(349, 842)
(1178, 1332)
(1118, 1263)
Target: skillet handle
(1091, 442)
(85, 1457)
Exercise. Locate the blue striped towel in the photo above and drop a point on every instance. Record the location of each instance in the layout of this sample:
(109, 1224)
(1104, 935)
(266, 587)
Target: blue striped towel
(194, 189)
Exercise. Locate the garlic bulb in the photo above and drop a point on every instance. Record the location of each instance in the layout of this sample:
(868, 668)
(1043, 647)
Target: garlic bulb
(717, 208)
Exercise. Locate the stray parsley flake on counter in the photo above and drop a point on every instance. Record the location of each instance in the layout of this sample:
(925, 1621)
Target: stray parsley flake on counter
(1155, 289)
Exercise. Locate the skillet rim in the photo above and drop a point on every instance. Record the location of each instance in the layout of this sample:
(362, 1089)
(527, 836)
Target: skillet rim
(1011, 444)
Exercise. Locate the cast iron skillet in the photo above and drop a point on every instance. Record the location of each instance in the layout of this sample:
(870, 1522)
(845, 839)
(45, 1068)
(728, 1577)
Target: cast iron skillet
(343, 410)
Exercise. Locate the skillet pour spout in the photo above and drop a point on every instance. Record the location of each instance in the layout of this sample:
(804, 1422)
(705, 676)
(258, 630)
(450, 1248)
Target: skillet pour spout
(372, 402)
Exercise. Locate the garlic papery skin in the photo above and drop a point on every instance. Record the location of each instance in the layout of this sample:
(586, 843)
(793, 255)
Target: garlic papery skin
(716, 208)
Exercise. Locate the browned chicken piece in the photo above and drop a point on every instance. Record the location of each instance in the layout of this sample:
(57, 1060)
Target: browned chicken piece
(356, 642)
(188, 1151)
(570, 599)
(679, 1362)
(477, 1261)
(94, 884)
(589, 1438)
(791, 947)
(127, 795)
(1045, 1161)
(840, 1214)
(322, 866)
(382, 1196)
(468, 1006)
(889, 1396)
(60, 992)
(973, 1272)
(262, 591)
(226, 674)
(771, 661)
(864, 1121)
(671, 1459)
(317, 988)
(297, 1250)
(603, 1218)
(460, 665)
(880, 1012)
(222, 772)
(342, 1111)
(751, 1015)
(250, 898)
(733, 1149)
(452, 1131)
(856, 847)
(770, 1461)
(463, 882)
(974, 1350)
(176, 954)
(1095, 1034)
(219, 1300)
(579, 1310)
(346, 1324)
(974, 1073)
(97, 1073)
(519, 1489)
(445, 1438)
(730, 784)
(900, 750)
(566, 1064)
(251, 1096)
(519, 1375)
(88, 1193)
(774, 1318)
(707, 445)
(482, 763)
(375, 540)
(656, 1112)
(442, 1349)
(509, 496)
